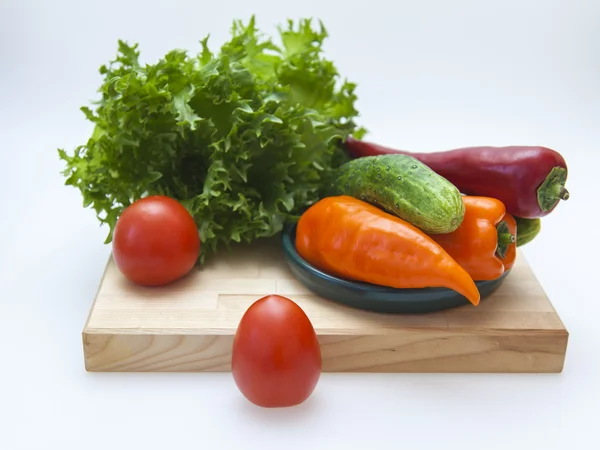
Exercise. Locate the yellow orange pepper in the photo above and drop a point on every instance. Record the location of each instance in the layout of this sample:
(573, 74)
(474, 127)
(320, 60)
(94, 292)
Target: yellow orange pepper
(355, 240)
(485, 242)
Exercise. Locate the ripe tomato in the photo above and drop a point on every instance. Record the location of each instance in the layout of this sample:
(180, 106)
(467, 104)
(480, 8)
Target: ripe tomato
(155, 241)
(276, 360)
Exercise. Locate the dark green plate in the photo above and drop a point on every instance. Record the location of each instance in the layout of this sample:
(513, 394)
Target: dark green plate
(375, 298)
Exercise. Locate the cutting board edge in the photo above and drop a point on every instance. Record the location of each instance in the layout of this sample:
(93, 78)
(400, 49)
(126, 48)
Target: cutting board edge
(331, 332)
(514, 351)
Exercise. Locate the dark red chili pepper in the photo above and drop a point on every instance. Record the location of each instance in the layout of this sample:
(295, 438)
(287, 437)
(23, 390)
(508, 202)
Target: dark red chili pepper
(530, 181)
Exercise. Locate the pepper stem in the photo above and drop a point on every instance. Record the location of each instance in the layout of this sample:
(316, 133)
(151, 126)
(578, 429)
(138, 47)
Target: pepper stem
(563, 193)
(505, 239)
(552, 190)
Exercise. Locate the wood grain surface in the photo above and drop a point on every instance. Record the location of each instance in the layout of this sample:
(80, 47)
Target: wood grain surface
(189, 325)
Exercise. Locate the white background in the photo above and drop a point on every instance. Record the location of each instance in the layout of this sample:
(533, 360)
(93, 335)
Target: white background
(432, 75)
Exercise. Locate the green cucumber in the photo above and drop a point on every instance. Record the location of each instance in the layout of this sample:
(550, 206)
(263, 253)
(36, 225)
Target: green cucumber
(527, 230)
(405, 187)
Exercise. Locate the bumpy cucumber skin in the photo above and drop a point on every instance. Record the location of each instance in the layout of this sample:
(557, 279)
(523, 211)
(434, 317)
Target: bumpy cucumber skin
(405, 187)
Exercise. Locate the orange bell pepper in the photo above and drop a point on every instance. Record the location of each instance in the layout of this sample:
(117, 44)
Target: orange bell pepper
(352, 239)
(485, 242)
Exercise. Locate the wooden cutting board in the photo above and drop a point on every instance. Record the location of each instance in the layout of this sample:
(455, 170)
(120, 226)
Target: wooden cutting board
(189, 325)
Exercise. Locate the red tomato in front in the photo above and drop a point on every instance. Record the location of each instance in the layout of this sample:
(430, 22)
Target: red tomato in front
(155, 241)
(276, 359)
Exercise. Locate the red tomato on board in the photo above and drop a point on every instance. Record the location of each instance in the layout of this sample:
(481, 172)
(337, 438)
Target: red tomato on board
(155, 241)
(276, 359)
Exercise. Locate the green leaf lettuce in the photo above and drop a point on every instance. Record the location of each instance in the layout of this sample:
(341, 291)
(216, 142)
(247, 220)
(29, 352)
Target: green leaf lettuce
(245, 138)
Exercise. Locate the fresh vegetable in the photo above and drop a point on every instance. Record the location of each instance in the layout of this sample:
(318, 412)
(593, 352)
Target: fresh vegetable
(276, 356)
(355, 240)
(243, 137)
(530, 181)
(155, 241)
(405, 187)
(485, 243)
(527, 230)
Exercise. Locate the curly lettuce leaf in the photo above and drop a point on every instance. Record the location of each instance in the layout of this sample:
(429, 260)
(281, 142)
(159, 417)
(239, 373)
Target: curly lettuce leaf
(245, 138)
